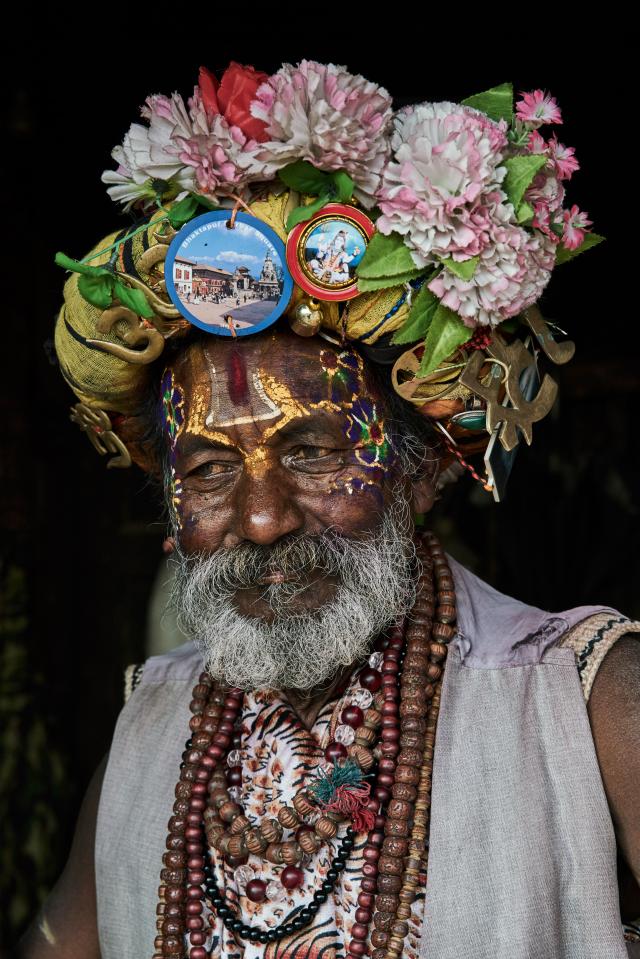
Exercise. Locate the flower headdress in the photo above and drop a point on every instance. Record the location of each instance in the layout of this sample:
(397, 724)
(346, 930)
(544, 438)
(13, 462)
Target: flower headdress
(469, 217)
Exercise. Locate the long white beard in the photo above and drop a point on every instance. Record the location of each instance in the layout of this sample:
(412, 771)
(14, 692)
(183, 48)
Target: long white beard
(376, 578)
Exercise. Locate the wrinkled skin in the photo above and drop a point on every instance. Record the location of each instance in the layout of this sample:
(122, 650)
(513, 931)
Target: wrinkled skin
(249, 481)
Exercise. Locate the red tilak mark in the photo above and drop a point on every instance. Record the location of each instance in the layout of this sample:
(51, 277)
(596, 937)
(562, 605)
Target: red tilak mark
(237, 378)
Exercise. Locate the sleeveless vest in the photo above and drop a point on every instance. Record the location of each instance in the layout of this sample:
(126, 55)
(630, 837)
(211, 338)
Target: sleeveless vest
(522, 852)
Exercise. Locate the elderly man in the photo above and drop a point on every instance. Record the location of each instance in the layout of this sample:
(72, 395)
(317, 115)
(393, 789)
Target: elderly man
(367, 751)
(291, 509)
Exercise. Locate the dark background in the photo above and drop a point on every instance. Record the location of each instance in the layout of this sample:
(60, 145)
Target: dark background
(81, 545)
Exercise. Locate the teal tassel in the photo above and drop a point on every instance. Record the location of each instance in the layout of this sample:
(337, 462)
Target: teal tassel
(325, 786)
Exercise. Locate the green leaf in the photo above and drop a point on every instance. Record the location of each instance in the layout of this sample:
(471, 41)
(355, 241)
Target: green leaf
(497, 102)
(365, 285)
(304, 177)
(591, 239)
(445, 334)
(525, 213)
(343, 184)
(76, 267)
(97, 290)
(464, 268)
(520, 172)
(419, 319)
(182, 211)
(385, 256)
(133, 299)
(302, 213)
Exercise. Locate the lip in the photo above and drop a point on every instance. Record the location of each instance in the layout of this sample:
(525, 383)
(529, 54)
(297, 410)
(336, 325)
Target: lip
(275, 577)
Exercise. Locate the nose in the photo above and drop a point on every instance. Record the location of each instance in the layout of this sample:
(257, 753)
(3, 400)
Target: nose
(266, 510)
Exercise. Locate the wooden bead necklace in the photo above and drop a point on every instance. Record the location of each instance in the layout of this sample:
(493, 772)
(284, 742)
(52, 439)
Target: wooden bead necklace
(397, 729)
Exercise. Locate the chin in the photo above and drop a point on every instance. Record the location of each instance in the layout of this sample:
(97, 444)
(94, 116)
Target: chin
(273, 603)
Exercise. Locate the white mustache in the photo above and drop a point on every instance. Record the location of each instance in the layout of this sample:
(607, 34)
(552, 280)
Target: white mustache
(375, 577)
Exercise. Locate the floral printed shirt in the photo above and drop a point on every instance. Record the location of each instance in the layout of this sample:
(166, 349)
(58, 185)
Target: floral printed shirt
(279, 756)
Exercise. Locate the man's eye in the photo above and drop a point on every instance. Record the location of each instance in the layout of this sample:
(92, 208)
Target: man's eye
(207, 470)
(312, 452)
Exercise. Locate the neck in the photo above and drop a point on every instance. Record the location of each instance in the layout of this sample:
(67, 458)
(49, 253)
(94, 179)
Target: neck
(307, 703)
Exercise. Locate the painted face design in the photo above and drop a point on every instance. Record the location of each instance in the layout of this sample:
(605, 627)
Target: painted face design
(173, 422)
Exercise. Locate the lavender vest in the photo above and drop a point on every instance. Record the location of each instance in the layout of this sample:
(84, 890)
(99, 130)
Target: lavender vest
(522, 854)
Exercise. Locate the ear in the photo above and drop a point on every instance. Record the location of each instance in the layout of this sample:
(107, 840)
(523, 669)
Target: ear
(130, 431)
(423, 494)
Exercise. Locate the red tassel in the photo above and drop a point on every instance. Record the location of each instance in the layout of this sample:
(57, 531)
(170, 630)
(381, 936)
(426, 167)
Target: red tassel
(351, 802)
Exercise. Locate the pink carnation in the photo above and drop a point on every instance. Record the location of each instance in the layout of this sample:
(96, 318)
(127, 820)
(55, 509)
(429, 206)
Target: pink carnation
(512, 272)
(323, 114)
(537, 108)
(439, 189)
(575, 227)
(563, 159)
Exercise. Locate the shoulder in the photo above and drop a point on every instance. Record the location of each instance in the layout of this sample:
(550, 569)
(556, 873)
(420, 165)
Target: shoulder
(607, 635)
(180, 664)
(496, 630)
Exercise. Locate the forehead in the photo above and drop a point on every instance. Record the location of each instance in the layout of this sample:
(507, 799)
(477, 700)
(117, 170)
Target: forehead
(263, 379)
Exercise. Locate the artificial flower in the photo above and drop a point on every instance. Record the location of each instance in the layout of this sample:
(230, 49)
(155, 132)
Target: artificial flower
(513, 270)
(327, 116)
(537, 108)
(575, 225)
(447, 160)
(232, 96)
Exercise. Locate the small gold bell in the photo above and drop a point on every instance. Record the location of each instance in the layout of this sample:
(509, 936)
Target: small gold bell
(307, 318)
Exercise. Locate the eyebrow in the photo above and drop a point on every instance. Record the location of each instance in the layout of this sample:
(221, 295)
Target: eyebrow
(194, 442)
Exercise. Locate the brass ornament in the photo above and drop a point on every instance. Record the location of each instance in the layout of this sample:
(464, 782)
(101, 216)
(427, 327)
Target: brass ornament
(514, 359)
(558, 353)
(306, 319)
(97, 425)
(135, 335)
(442, 382)
(158, 305)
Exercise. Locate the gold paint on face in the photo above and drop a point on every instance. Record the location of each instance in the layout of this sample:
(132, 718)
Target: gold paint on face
(291, 407)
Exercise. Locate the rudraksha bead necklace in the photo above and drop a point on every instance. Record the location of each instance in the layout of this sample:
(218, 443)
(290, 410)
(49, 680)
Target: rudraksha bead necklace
(395, 849)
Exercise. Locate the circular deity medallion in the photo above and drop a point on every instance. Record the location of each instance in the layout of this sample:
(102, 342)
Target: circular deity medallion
(232, 281)
(323, 252)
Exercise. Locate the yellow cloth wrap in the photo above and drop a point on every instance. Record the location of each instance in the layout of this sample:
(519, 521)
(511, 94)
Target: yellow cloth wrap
(98, 379)
(363, 315)
(108, 382)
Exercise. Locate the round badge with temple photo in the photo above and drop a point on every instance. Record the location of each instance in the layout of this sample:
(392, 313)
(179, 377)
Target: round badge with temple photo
(226, 272)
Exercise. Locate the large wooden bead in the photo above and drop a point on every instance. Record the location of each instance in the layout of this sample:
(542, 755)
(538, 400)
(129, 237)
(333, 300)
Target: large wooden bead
(365, 736)
(273, 853)
(399, 809)
(387, 903)
(291, 853)
(392, 846)
(379, 938)
(309, 842)
(389, 884)
(410, 757)
(446, 613)
(362, 755)
(271, 830)
(325, 828)
(404, 791)
(302, 804)
(288, 817)
(390, 866)
(383, 920)
(396, 827)
(239, 825)
(229, 811)
(255, 841)
(408, 774)
(411, 708)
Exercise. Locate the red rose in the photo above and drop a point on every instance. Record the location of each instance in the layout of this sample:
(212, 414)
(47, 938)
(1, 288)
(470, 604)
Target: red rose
(232, 97)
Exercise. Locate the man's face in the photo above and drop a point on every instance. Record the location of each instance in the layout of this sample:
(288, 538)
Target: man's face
(273, 437)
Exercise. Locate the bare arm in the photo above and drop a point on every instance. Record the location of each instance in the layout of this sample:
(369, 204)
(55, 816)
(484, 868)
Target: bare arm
(614, 712)
(66, 926)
